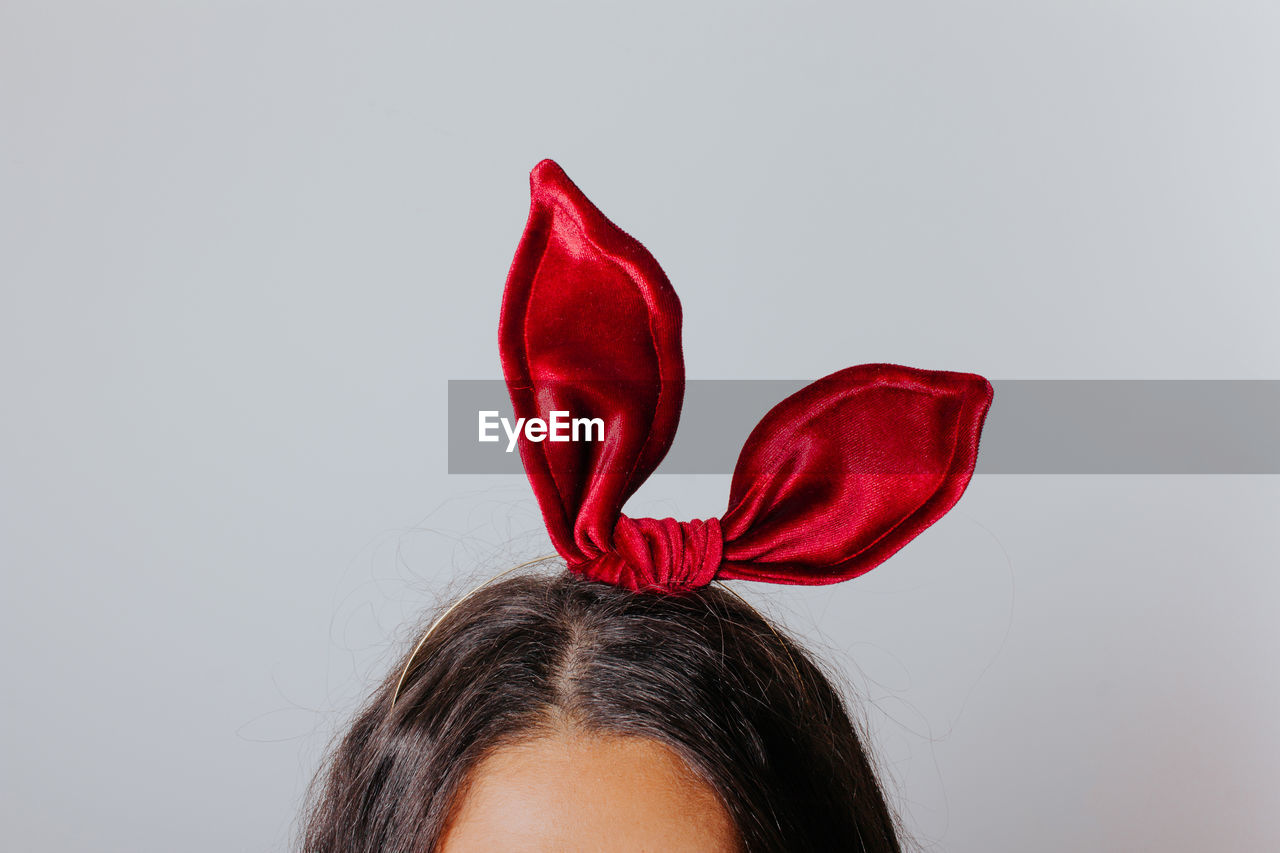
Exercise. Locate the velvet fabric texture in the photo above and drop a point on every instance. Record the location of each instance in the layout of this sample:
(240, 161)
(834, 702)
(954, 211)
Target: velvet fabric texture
(834, 479)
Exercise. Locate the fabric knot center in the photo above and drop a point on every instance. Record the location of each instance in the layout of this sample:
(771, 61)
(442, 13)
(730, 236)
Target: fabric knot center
(666, 554)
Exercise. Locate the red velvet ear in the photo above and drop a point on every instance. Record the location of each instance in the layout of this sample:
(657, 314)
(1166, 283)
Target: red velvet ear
(590, 326)
(843, 473)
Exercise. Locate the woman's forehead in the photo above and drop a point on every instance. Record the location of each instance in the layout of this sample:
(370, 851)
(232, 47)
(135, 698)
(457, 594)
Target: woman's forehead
(574, 792)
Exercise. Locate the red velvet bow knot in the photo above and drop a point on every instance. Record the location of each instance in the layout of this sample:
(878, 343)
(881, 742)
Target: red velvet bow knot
(830, 483)
(660, 554)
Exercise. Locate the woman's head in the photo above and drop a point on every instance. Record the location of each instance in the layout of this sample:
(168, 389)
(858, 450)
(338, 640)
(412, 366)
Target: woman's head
(539, 702)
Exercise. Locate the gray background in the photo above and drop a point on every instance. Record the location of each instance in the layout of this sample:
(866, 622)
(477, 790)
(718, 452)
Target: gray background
(244, 246)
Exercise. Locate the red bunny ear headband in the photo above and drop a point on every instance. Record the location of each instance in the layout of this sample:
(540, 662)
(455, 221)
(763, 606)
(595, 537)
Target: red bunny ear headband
(833, 481)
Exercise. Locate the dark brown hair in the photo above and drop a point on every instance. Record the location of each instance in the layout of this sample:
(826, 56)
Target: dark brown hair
(700, 672)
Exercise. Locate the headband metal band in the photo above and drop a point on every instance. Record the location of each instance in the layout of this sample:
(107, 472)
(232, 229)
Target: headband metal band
(417, 649)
